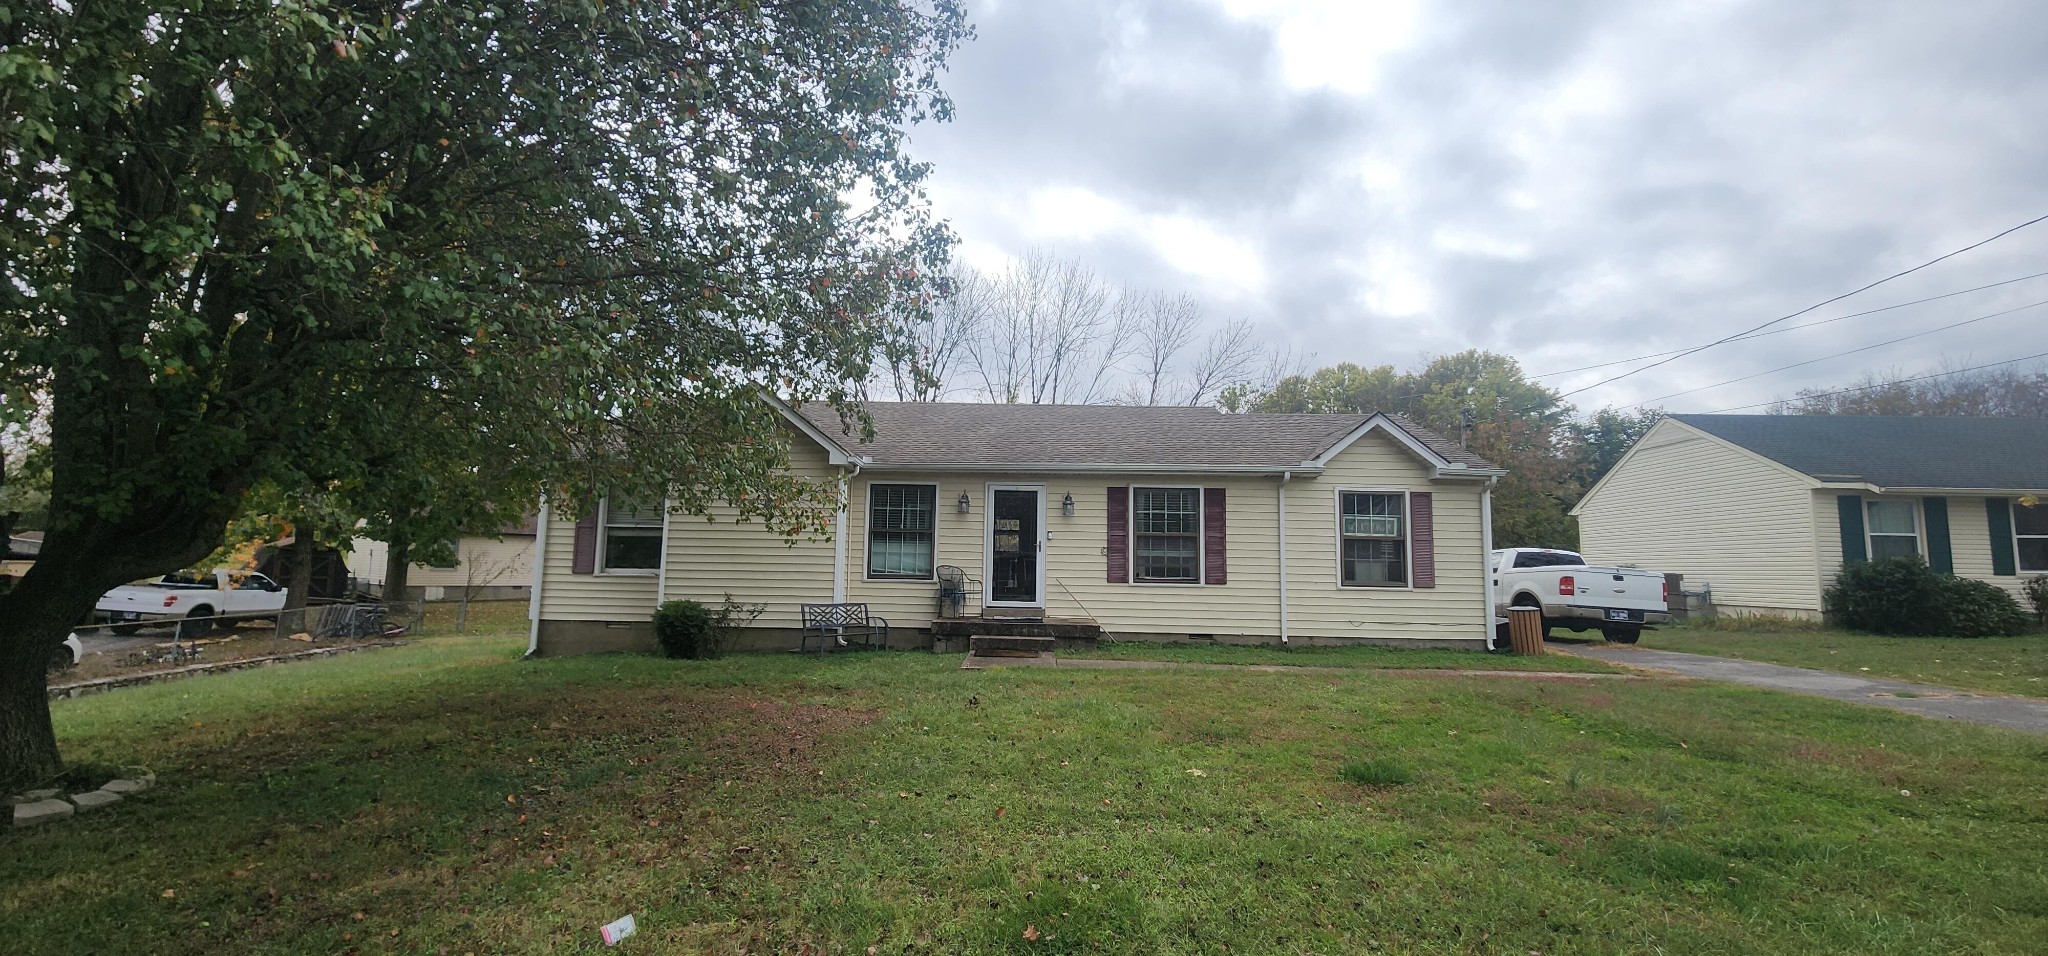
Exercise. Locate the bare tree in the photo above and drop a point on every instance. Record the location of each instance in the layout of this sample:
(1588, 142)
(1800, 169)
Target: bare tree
(923, 362)
(1168, 327)
(1230, 357)
(1053, 334)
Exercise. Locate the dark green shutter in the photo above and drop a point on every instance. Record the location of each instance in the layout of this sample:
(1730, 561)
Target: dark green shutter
(1851, 509)
(1998, 514)
(1939, 557)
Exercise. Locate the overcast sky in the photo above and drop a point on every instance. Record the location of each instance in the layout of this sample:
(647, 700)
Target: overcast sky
(1567, 183)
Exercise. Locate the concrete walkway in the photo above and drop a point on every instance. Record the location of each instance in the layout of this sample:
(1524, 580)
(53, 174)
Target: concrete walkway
(1927, 700)
(977, 662)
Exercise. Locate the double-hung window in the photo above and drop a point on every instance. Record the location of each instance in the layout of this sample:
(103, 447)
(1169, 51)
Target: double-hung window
(1166, 526)
(630, 536)
(1894, 528)
(1372, 528)
(900, 523)
(2030, 535)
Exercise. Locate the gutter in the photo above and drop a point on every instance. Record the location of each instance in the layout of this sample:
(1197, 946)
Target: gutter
(540, 563)
(661, 569)
(1285, 477)
(1069, 468)
(1486, 556)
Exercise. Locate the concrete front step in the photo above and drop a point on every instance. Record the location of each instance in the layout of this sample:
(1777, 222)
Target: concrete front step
(1010, 645)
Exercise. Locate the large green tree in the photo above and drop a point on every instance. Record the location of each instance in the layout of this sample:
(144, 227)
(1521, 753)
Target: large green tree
(1513, 421)
(252, 241)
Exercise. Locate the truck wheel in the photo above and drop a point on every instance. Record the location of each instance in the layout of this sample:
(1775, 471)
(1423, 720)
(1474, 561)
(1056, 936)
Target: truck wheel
(196, 624)
(127, 630)
(1622, 635)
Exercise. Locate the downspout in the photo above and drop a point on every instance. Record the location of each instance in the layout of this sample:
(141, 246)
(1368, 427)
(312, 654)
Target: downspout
(661, 574)
(540, 563)
(1486, 555)
(1285, 477)
(839, 534)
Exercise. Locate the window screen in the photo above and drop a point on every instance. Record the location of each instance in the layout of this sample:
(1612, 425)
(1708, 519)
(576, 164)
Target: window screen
(1166, 524)
(900, 521)
(1373, 534)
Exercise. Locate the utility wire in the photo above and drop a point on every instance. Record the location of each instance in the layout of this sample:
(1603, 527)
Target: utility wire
(1810, 308)
(1866, 388)
(1791, 328)
(1866, 348)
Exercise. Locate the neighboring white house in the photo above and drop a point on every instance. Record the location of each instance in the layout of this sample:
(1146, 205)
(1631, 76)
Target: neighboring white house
(1161, 523)
(1766, 508)
(489, 568)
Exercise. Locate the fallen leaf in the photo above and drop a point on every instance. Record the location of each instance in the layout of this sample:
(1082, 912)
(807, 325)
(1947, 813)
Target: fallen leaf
(1031, 934)
(1001, 810)
(170, 894)
(512, 798)
(1198, 773)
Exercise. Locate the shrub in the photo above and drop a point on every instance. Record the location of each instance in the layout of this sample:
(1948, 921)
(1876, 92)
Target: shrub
(2037, 595)
(1904, 596)
(686, 630)
(1375, 773)
(1891, 596)
(1980, 609)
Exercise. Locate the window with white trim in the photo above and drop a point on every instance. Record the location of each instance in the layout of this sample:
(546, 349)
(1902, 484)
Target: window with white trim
(1894, 528)
(629, 536)
(1166, 535)
(2030, 536)
(900, 523)
(1372, 533)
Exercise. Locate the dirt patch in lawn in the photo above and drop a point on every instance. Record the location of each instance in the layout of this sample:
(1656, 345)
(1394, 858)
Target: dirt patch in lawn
(150, 656)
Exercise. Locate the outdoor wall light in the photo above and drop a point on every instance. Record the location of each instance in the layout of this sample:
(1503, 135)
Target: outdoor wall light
(964, 504)
(1067, 505)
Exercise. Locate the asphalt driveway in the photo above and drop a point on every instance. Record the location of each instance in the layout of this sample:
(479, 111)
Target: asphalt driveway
(1927, 700)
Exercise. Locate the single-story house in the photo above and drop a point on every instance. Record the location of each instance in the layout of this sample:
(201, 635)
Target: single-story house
(1154, 523)
(489, 568)
(1766, 508)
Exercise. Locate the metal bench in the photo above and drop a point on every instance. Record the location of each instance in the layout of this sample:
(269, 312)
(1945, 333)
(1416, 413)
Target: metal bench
(833, 623)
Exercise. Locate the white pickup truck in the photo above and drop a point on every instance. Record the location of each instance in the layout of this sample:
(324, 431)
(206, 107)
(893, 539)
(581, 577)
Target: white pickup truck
(1579, 596)
(198, 600)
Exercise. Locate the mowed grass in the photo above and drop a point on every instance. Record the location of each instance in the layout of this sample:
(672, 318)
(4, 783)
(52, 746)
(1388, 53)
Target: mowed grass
(1370, 656)
(2006, 665)
(447, 797)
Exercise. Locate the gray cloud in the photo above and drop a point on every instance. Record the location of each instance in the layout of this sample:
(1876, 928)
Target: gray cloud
(1568, 183)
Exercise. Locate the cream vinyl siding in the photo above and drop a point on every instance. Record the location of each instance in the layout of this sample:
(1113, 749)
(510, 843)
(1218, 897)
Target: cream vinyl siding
(479, 562)
(1970, 539)
(1687, 503)
(1320, 608)
(708, 558)
(567, 596)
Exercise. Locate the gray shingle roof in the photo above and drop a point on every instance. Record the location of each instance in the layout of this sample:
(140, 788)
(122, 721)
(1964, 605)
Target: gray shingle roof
(1895, 451)
(956, 434)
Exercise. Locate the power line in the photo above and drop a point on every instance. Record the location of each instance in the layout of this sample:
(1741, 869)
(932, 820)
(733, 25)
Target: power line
(1792, 328)
(1866, 388)
(1810, 308)
(1866, 348)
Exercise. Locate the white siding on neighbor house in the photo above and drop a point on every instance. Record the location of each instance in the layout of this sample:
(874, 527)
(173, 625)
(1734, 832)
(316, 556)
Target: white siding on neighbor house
(1319, 607)
(710, 558)
(479, 562)
(1970, 537)
(1688, 503)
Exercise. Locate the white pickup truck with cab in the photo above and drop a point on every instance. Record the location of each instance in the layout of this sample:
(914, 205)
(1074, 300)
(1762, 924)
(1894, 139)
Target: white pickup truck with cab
(1577, 595)
(198, 600)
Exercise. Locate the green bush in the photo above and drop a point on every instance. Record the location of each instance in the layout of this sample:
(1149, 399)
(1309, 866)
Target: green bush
(1980, 609)
(1376, 773)
(686, 630)
(2037, 595)
(1904, 596)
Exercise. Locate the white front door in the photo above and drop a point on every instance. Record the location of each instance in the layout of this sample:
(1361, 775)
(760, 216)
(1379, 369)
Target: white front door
(1015, 546)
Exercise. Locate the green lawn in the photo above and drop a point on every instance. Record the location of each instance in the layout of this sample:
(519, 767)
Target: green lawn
(2006, 665)
(1365, 656)
(447, 797)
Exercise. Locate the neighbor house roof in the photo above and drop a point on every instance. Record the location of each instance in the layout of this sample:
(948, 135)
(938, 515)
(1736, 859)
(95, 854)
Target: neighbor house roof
(1894, 451)
(962, 435)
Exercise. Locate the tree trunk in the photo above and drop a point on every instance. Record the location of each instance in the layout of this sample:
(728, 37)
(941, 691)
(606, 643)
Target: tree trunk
(298, 568)
(397, 563)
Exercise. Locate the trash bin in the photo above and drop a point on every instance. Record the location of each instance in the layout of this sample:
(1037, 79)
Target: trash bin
(1525, 631)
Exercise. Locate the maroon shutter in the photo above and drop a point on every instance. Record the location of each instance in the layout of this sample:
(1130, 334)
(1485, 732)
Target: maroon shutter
(1119, 545)
(583, 560)
(1215, 566)
(1422, 536)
